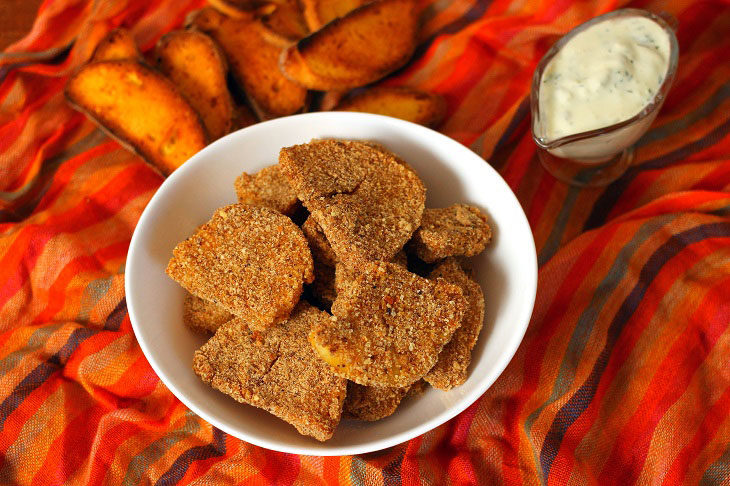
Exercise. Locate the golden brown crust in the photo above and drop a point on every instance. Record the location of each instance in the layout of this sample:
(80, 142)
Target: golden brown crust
(118, 44)
(254, 63)
(276, 370)
(192, 61)
(321, 249)
(203, 316)
(345, 274)
(372, 403)
(267, 187)
(252, 261)
(357, 49)
(388, 326)
(318, 13)
(323, 287)
(451, 368)
(459, 230)
(287, 21)
(366, 202)
(417, 389)
(399, 102)
(139, 107)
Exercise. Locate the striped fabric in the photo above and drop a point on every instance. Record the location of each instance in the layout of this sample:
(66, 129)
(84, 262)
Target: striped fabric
(623, 376)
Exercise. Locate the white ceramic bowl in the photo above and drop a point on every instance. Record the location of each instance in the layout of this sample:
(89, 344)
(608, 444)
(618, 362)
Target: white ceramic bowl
(507, 272)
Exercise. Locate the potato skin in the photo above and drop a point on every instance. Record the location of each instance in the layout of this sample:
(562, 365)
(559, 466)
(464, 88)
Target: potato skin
(357, 49)
(399, 102)
(116, 45)
(140, 108)
(254, 63)
(192, 61)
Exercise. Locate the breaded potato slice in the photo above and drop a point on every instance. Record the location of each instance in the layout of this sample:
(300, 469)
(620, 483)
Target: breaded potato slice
(417, 389)
(372, 403)
(388, 326)
(201, 315)
(267, 187)
(318, 13)
(276, 370)
(459, 230)
(366, 202)
(250, 260)
(344, 274)
(116, 45)
(321, 249)
(454, 359)
(399, 102)
(140, 108)
(254, 63)
(191, 60)
(355, 50)
(323, 287)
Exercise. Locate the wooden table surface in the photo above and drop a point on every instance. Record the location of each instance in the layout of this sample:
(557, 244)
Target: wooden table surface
(16, 19)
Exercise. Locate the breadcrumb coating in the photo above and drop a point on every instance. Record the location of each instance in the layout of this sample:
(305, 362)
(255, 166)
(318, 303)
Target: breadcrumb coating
(372, 403)
(276, 370)
(321, 249)
(323, 287)
(451, 368)
(203, 316)
(252, 261)
(367, 204)
(459, 230)
(388, 326)
(267, 187)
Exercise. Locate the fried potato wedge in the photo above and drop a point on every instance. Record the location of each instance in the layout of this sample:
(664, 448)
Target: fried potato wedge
(139, 107)
(118, 44)
(317, 13)
(191, 60)
(287, 22)
(254, 63)
(401, 102)
(355, 50)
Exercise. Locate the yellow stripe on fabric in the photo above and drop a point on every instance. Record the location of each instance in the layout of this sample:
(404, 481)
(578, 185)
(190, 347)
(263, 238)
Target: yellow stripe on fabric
(33, 358)
(679, 425)
(632, 380)
(34, 440)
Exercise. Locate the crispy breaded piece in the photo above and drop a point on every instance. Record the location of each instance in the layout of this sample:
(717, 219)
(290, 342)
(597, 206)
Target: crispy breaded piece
(388, 326)
(242, 117)
(459, 230)
(345, 275)
(192, 61)
(318, 13)
(366, 203)
(450, 369)
(140, 108)
(117, 44)
(417, 389)
(399, 102)
(323, 287)
(276, 370)
(254, 62)
(267, 187)
(357, 49)
(201, 315)
(372, 402)
(321, 249)
(251, 260)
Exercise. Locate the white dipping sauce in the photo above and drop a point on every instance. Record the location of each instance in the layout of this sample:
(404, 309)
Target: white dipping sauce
(603, 75)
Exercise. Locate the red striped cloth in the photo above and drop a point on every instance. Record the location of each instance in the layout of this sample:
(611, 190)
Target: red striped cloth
(623, 376)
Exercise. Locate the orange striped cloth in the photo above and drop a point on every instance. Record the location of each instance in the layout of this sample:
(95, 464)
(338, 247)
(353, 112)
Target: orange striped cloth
(623, 376)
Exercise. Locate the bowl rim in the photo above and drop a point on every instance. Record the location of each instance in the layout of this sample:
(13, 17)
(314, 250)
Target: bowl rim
(520, 324)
